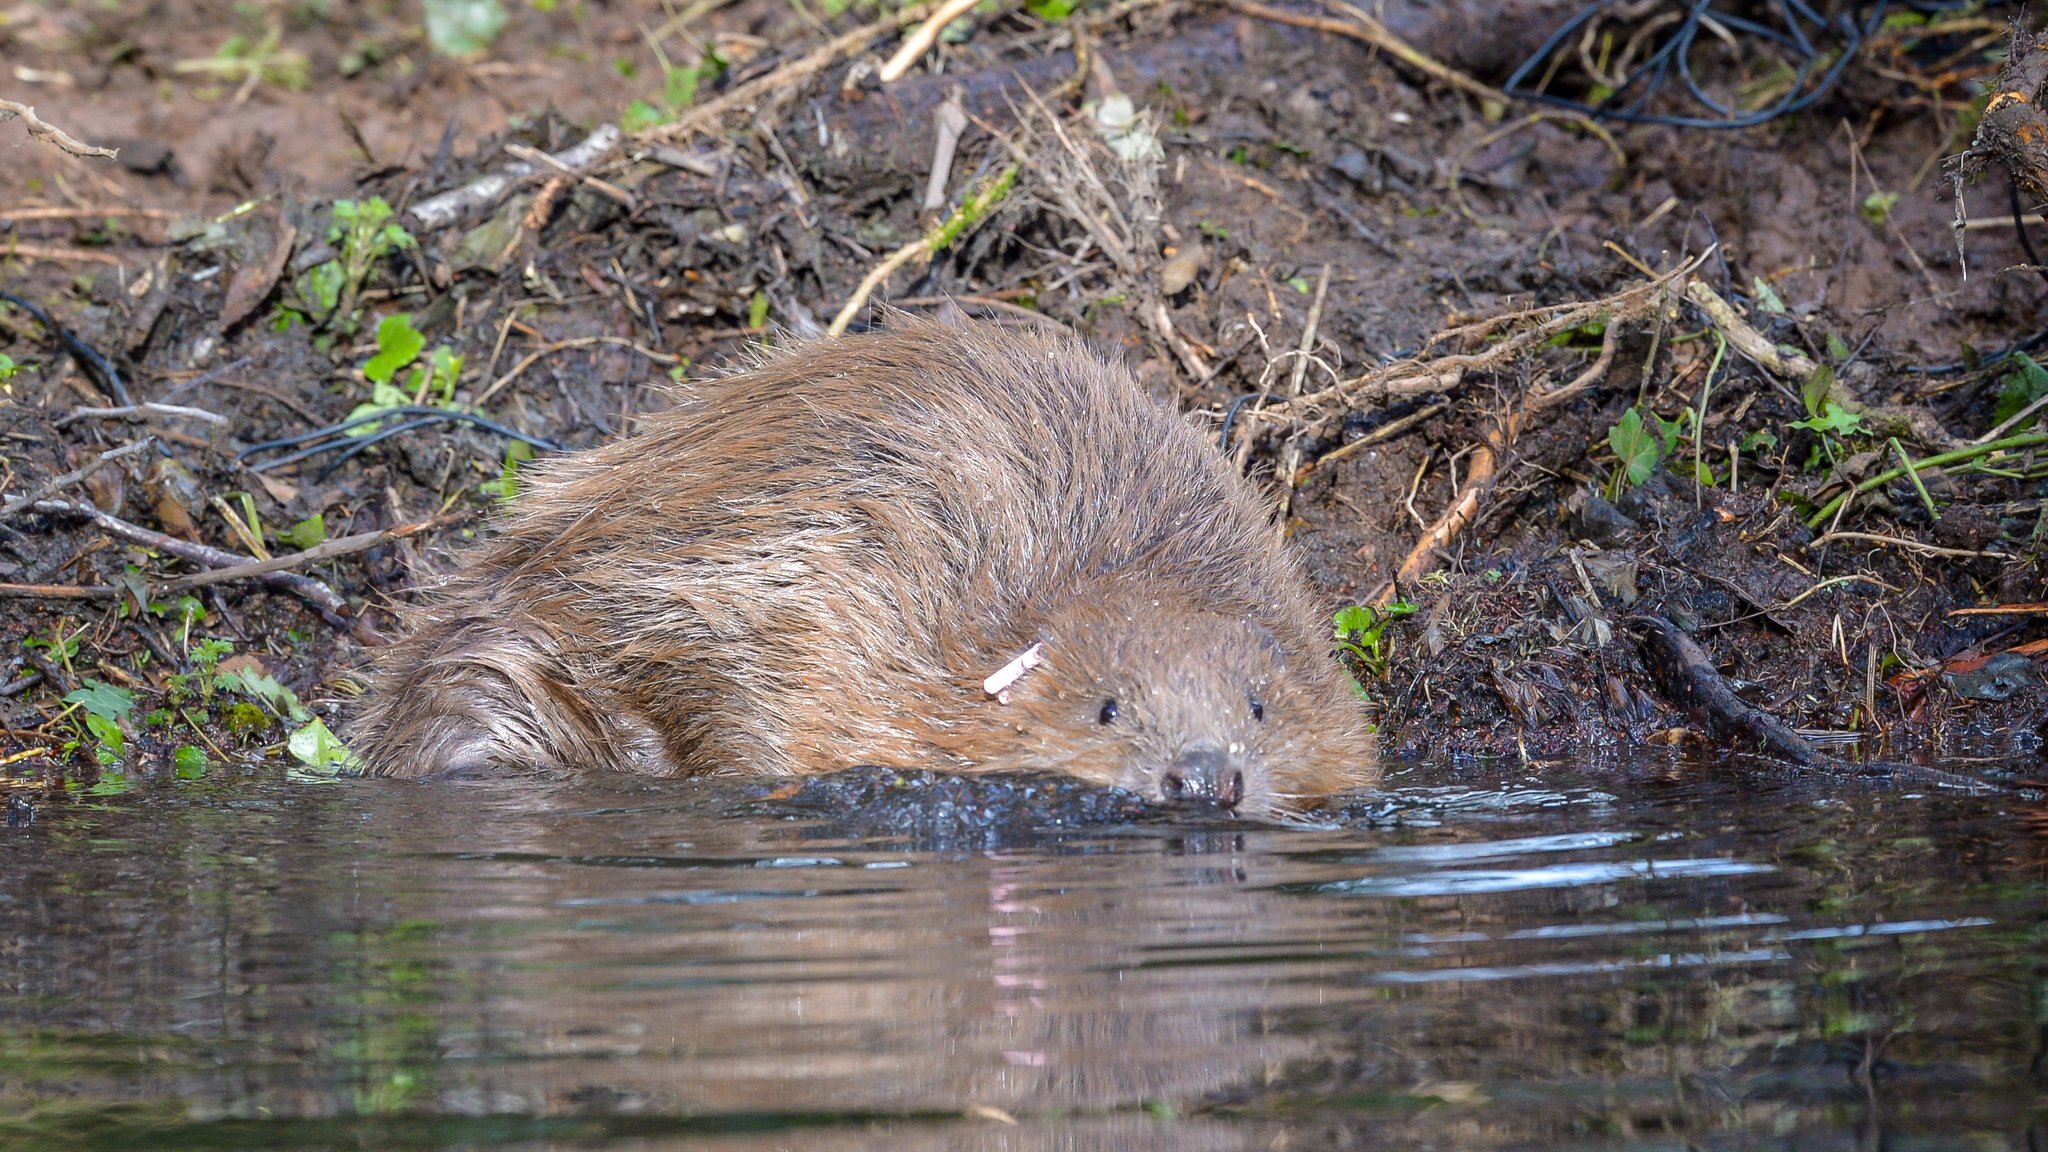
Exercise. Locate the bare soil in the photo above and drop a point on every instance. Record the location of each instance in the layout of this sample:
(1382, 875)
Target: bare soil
(1284, 151)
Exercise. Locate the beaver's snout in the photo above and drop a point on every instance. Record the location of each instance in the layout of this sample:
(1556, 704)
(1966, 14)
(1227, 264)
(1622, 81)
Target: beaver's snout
(1203, 772)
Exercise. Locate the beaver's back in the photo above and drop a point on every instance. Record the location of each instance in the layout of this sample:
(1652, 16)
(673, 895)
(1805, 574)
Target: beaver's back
(817, 559)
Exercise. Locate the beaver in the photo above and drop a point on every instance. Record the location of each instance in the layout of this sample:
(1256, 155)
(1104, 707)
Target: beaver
(960, 547)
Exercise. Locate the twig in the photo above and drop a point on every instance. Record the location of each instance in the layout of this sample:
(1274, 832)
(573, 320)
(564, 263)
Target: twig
(59, 591)
(147, 408)
(304, 587)
(14, 249)
(2013, 421)
(327, 550)
(1910, 545)
(1291, 458)
(1755, 345)
(51, 135)
(448, 207)
(951, 122)
(1379, 435)
(784, 76)
(964, 219)
(605, 188)
(527, 361)
(111, 212)
(78, 476)
(1366, 29)
(1690, 681)
(920, 41)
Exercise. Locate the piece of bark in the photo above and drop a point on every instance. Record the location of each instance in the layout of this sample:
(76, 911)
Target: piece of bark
(1691, 682)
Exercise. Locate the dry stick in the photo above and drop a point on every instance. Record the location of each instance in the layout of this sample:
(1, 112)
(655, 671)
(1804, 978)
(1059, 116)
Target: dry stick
(1745, 339)
(1910, 545)
(970, 214)
(118, 212)
(149, 408)
(1291, 458)
(448, 207)
(784, 76)
(1415, 376)
(79, 476)
(1364, 28)
(1379, 435)
(304, 587)
(49, 134)
(327, 550)
(951, 122)
(605, 188)
(919, 42)
(530, 358)
(56, 252)
(59, 591)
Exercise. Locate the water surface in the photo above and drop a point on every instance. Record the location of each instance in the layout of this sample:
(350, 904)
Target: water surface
(1651, 956)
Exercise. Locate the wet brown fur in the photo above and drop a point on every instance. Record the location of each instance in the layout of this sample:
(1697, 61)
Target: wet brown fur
(815, 564)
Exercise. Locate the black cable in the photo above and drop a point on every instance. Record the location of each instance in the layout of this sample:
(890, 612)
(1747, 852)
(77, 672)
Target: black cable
(420, 416)
(1630, 100)
(84, 353)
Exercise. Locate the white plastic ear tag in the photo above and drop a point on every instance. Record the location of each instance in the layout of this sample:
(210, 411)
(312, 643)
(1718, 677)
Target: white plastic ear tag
(998, 684)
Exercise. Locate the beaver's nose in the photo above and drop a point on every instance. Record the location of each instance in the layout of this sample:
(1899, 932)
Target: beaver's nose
(1203, 772)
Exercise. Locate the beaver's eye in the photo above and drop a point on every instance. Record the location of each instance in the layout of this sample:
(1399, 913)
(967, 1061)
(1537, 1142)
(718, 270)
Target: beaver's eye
(1109, 712)
(1258, 708)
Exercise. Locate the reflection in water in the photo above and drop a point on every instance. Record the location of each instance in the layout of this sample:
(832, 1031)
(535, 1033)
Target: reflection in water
(384, 964)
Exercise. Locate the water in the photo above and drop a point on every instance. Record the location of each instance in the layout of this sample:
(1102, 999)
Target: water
(1656, 956)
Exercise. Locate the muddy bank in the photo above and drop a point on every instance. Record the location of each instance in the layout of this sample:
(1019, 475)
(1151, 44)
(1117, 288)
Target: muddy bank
(1570, 389)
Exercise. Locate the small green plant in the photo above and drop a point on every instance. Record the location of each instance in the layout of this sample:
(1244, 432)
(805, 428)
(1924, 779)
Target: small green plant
(462, 27)
(104, 707)
(9, 369)
(362, 233)
(679, 88)
(1639, 446)
(506, 486)
(308, 533)
(398, 348)
(243, 61)
(1052, 11)
(2020, 387)
(1826, 417)
(1877, 207)
(1362, 641)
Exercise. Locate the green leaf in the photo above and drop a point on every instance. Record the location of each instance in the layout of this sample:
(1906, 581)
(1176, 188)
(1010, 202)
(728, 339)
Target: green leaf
(113, 744)
(757, 310)
(321, 752)
(640, 116)
(321, 285)
(463, 27)
(1356, 618)
(1767, 299)
(1834, 420)
(1762, 438)
(308, 533)
(1635, 446)
(398, 344)
(1814, 393)
(189, 762)
(1668, 432)
(1051, 11)
(2022, 388)
(1878, 206)
(1299, 284)
(103, 700)
(1838, 348)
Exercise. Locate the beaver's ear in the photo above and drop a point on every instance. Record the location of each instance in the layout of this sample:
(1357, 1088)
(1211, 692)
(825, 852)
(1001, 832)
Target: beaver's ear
(1003, 679)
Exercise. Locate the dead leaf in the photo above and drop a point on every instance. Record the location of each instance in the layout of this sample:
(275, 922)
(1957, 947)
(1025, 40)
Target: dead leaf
(253, 282)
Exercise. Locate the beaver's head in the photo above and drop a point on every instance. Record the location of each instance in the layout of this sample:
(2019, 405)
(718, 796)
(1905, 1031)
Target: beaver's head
(1151, 690)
